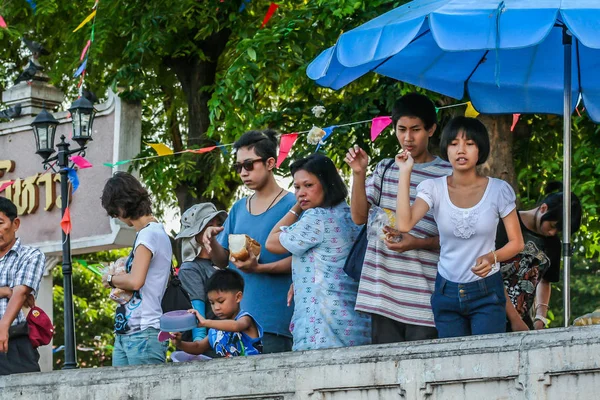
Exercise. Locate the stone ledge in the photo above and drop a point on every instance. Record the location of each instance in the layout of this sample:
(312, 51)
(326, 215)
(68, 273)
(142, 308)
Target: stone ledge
(557, 363)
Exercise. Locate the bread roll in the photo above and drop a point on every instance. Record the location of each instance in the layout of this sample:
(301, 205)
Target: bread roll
(239, 245)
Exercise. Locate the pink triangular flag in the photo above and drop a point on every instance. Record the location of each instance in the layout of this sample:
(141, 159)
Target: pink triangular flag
(202, 150)
(378, 124)
(285, 145)
(515, 120)
(81, 162)
(5, 185)
(85, 50)
(65, 223)
(3, 23)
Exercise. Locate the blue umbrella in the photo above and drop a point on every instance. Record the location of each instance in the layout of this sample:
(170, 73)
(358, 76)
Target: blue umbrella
(512, 56)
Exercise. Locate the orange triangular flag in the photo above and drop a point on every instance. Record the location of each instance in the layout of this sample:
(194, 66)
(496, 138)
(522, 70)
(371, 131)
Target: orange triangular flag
(202, 150)
(65, 223)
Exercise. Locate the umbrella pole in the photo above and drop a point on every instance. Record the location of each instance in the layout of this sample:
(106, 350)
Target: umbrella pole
(567, 40)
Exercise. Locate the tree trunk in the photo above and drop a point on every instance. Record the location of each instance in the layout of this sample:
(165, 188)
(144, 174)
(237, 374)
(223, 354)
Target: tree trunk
(197, 76)
(500, 163)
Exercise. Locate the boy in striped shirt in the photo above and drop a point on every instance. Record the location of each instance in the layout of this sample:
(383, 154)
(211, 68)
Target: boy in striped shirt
(398, 278)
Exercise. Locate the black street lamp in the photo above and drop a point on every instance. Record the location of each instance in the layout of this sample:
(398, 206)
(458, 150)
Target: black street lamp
(44, 129)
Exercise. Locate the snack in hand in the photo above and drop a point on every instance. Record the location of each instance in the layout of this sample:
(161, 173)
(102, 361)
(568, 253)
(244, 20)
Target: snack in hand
(118, 267)
(392, 235)
(240, 245)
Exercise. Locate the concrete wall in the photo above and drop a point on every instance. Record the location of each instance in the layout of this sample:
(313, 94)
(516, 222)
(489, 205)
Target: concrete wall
(555, 364)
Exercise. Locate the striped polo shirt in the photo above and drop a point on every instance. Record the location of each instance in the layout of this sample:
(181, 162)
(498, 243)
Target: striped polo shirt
(399, 285)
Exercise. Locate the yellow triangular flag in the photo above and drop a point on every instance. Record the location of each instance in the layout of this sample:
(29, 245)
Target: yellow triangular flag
(471, 112)
(161, 149)
(86, 20)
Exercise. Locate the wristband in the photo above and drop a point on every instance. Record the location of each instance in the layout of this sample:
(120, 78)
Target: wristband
(495, 267)
(541, 318)
(295, 213)
(110, 282)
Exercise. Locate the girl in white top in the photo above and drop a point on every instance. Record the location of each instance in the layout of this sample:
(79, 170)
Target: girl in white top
(469, 294)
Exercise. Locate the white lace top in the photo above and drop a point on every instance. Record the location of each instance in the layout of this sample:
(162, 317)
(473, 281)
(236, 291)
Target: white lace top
(466, 233)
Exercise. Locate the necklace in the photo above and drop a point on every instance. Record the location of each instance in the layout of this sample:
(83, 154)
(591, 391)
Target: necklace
(270, 205)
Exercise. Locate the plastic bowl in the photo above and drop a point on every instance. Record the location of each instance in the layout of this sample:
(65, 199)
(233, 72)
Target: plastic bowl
(178, 321)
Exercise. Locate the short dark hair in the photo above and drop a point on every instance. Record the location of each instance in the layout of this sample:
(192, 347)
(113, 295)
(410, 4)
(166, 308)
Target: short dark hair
(225, 280)
(8, 208)
(414, 105)
(474, 130)
(124, 196)
(334, 189)
(554, 201)
(264, 143)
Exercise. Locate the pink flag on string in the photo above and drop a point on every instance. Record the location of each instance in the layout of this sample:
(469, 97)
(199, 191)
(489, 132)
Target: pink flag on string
(378, 124)
(85, 50)
(3, 23)
(285, 145)
(81, 162)
(515, 120)
(202, 150)
(5, 185)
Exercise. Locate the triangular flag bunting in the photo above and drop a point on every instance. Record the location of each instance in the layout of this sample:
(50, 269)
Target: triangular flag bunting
(85, 50)
(471, 112)
(272, 8)
(73, 178)
(4, 185)
(328, 131)
(86, 20)
(285, 145)
(515, 120)
(116, 164)
(378, 124)
(81, 162)
(81, 69)
(3, 23)
(65, 223)
(202, 150)
(161, 149)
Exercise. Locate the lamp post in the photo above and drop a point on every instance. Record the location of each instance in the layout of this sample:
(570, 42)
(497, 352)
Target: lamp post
(44, 130)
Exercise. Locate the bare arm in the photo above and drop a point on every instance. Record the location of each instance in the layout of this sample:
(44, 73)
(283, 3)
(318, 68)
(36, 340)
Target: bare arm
(218, 254)
(198, 347)
(17, 299)
(407, 216)
(515, 244)
(358, 161)
(273, 244)
(278, 267)
(409, 242)
(139, 270)
(516, 322)
(228, 325)
(542, 299)
(5, 292)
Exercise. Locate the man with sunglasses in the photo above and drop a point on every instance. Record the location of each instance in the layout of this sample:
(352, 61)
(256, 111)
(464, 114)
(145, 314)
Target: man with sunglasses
(268, 279)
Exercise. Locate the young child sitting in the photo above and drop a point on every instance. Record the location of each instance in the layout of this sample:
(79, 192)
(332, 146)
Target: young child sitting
(235, 333)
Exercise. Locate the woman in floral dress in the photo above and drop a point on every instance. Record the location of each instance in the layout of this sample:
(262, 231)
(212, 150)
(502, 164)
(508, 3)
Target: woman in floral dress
(319, 233)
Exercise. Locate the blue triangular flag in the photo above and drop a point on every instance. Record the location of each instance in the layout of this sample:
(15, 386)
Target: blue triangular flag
(80, 69)
(73, 178)
(328, 131)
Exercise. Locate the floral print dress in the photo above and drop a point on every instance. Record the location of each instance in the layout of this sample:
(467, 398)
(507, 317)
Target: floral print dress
(324, 296)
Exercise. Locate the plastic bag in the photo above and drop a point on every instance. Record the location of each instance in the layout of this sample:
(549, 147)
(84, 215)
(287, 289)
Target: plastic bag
(118, 267)
(381, 225)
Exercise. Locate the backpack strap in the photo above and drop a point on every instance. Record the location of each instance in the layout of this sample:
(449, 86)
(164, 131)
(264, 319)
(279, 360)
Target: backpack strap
(382, 178)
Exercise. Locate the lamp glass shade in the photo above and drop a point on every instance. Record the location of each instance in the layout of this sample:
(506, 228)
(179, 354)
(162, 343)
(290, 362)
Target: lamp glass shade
(44, 129)
(82, 114)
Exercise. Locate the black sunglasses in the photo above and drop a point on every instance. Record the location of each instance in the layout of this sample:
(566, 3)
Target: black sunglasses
(248, 165)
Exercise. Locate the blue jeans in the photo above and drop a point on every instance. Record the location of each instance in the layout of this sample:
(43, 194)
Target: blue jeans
(474, 308)
(139, 348)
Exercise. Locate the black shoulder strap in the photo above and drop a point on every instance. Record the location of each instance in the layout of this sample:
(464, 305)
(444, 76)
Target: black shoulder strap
(382, 177)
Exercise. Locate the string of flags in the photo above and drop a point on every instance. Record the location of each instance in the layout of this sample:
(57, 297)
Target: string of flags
(80, 72)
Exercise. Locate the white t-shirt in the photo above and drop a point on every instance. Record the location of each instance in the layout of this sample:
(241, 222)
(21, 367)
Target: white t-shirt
(466, 233)
(144, 310)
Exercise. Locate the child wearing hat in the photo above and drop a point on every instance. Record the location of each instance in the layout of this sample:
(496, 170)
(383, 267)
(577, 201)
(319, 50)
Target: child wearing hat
(196, 267)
